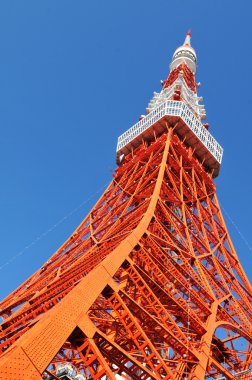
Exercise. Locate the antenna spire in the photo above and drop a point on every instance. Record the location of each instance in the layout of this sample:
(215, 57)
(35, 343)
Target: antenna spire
(188, 38)
(185, 54)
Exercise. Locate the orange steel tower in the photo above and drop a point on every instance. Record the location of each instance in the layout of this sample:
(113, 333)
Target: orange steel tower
(149, 285)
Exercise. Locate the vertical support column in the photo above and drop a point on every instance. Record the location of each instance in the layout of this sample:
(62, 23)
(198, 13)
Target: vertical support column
(33, 352)
(205, 350)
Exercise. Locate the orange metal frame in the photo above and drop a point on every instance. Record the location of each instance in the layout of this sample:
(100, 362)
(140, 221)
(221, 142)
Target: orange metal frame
(149, 286)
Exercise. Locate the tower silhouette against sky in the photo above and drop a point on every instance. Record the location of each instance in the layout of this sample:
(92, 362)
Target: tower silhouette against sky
(149, 285)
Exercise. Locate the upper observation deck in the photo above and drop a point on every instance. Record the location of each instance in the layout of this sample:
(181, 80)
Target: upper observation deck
(186, 125)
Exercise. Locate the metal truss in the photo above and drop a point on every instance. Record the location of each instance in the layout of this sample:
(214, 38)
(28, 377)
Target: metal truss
(149, 286)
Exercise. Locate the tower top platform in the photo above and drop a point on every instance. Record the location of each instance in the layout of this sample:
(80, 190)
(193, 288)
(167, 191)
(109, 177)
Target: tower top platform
(177, 105)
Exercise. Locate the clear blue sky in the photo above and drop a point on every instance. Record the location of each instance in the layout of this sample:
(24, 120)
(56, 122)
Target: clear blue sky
(74, 75)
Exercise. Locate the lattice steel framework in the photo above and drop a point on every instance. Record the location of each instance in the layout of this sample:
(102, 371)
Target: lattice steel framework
(149, 286)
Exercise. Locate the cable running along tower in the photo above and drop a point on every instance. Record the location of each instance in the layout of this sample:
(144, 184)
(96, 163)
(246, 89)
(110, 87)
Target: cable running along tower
(149, 286)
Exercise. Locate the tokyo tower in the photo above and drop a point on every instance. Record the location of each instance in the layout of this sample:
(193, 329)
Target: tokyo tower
(149, 285)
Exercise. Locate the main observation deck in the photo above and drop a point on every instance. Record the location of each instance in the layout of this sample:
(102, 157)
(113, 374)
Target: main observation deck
(187, 127)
